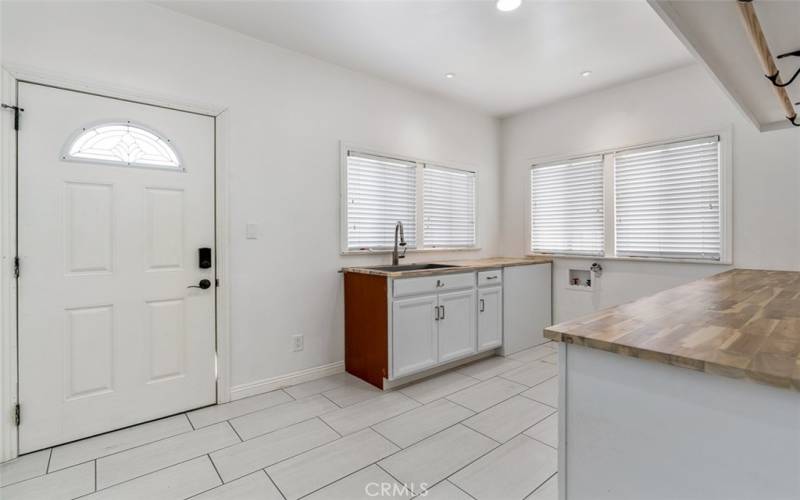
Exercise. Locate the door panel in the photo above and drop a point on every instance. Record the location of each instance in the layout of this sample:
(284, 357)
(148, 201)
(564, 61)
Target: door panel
(109, 335)
(490, 318)
(456, 325)
(413, 334)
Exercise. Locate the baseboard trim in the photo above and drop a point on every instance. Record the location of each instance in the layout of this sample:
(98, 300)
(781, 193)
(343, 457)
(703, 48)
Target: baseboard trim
(279, 382)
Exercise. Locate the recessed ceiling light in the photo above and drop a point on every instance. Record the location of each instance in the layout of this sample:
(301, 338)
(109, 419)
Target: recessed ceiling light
(508, 5)
(449, 75)
(586, 73)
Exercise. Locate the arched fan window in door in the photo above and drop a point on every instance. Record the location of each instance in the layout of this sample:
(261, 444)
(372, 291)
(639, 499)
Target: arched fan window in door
(122, 143)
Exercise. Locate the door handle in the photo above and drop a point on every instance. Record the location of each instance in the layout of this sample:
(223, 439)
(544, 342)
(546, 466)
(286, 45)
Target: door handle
(442, 312)
(203, 285)
(483, 305)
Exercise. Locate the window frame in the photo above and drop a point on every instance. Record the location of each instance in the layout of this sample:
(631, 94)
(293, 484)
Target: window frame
(346, 147)
(726, 201)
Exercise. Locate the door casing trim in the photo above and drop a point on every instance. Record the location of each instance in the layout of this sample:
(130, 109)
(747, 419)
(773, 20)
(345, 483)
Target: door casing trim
(11, 76)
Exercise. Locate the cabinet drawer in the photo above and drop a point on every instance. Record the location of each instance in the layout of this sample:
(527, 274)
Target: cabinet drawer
(432, 284)
(493, 277)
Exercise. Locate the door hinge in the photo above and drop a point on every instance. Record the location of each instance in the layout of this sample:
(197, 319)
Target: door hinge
(16, 267)
(16, 415)
(17, 110)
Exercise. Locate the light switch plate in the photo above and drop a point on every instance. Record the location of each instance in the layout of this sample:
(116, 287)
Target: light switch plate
(251, 231)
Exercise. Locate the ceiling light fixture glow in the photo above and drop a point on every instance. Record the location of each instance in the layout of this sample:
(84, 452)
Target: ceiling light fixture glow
(586, 73)
(449, 76)
(508, 5)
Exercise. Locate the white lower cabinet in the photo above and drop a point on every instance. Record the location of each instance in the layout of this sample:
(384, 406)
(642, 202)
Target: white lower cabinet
(414, 334)
(490, 317)
(456, 324)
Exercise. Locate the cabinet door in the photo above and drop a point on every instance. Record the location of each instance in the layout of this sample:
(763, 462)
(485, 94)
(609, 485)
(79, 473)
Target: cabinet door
(413, 334)
(456, 325)
(490, 318)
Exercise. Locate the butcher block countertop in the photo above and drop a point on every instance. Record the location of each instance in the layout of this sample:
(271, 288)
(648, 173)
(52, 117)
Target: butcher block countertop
(462, 266)
(741, 323)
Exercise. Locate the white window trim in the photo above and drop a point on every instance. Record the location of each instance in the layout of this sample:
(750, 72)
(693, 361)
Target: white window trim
(726, 199)
(420, 162)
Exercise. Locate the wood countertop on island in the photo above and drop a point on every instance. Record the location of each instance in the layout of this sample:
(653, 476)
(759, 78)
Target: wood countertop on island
(741, 323)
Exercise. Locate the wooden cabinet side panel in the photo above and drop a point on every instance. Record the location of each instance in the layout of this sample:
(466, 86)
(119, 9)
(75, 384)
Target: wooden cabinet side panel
(366, 320)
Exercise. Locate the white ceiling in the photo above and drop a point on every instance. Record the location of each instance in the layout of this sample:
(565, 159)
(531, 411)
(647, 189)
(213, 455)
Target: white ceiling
(504, 62)
(716, 32)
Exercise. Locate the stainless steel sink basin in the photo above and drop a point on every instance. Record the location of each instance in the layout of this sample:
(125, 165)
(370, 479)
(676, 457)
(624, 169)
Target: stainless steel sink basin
(411, 267)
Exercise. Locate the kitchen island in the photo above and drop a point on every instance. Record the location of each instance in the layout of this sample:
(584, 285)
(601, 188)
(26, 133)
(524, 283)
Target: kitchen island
(692, 393)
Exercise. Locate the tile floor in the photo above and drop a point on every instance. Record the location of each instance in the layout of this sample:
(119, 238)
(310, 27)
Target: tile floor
(487, 430)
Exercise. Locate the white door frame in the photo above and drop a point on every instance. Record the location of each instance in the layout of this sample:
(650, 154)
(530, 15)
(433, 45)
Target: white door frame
(9, 78)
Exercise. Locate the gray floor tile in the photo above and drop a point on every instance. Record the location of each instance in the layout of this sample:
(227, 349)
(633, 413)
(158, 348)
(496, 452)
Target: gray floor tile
(533, 353)
(217, 413)
(489, 367)
(255, 486)
(24, 467)
(362, 415)
(438, 386)
(486, 394)
(278, 417)
(546, 431)
(64, 484)
(415, 425)
(352, 393)
(372, 482)
(260, 452)
(321, 466)
(532, 373)
(173, 483)
(446, 491)
(546, 392)
(551, 358)
(151, 457)
(547, 491)
(511, 471)
(318, 386)
(435, 458)
(113, 442)
(509, 418)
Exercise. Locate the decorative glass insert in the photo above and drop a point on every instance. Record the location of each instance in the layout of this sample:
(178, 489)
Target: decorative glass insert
(122, 143)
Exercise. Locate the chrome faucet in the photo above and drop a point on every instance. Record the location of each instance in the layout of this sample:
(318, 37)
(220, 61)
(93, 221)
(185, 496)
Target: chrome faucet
(398, 234)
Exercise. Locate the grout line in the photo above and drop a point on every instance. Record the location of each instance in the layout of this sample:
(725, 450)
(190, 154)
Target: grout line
(334, 402)
(274, 484)
(331, 428)
(221, 481)
(95, 476)
(339, 479)
(457, 487)
(49, 459)
(190, 421)
(540, 486)
(234, 431)
(291, 400)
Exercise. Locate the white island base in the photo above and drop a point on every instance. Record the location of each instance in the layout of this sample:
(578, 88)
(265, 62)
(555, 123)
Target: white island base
(632, 429)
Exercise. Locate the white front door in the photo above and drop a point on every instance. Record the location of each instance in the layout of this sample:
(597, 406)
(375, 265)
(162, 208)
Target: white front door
(115, 199)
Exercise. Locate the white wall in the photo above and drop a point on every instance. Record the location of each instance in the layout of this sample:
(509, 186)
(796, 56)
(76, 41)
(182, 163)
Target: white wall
(766, 180)
(287, 114)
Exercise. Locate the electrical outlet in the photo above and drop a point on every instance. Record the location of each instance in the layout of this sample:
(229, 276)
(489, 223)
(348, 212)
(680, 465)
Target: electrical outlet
(297, 343)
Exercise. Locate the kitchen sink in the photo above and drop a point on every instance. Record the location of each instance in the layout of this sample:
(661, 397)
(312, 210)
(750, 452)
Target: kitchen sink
(411, 267)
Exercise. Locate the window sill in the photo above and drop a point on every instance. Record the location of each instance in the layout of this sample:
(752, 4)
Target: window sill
(632, 259)
(410, 251)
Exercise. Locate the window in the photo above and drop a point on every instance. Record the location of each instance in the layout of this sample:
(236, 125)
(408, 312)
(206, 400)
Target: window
(449, 208)
(122, 143)
(665, 201)
(567, 207)
(380, 190)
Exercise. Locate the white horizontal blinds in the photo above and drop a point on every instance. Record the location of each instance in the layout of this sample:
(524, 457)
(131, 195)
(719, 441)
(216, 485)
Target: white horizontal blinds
(567, 207)
(448, 207)
(668, 200)
(380, 192)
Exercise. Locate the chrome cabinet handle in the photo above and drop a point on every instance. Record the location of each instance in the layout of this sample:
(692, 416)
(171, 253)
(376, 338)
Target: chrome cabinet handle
(442, 312)
(491, 277)
(436, 308)
(483, 305)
